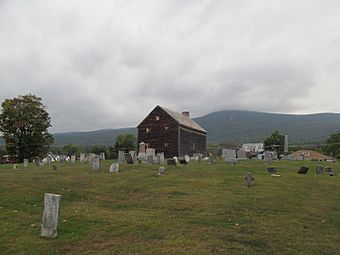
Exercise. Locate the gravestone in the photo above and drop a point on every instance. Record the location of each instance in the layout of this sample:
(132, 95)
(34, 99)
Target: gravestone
(61, 159)
(319, 170)
(161, 157)
(134, 156)
(15, 166)
(141, 147)
(272, 170)
(121, 157)
(50, 215)
(157, 159)
(96, 163)
(249, 179)
(187, 158)
(303, 170)
(228, 153)
(25, 162)
(91, 156)
(128, 158)
(49, 160)
(82, 158)
(176, 159)
(267, 156)
(102, 155)
(161, 170)
(150, 152)
(241, 155)
(37, 162)
(73, 158)
(213, 160)
(150, 159)
(183, 161)
(114, 168)
(171, 162)
(199, 156)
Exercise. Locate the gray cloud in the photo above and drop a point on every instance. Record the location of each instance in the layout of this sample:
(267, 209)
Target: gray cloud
(106, 64)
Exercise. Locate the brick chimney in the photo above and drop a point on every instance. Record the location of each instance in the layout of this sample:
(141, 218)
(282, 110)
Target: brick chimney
(186, 113)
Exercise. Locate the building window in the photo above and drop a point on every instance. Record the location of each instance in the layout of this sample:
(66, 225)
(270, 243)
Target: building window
(148, 130)
(166, 128)
(166, 145)
(157, 117)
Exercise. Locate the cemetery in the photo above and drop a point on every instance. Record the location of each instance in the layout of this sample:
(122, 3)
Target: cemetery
(154, 205)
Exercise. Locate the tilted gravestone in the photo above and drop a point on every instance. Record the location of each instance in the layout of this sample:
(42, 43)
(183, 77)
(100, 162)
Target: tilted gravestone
(161, 170)
(128, 158)
(171, 162)
(319, 170)
(303, 170)
(25, 162)
(96, 163)
(114, 168)
(249, 179)
(50, 215)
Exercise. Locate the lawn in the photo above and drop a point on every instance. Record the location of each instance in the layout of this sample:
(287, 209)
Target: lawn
(193, 209)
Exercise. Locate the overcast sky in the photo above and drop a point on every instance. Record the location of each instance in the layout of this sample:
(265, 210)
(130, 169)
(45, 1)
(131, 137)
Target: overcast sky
(107, 64)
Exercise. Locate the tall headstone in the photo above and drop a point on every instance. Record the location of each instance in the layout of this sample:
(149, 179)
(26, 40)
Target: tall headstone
(96, 163)
(187, 158)
(134, 156)
(128, 158)
(121, 157)
(61, 159)
(25, 162)
(102, 155)
(114, 168)
(161, 157)
(141, 147)
(285, 149)
(50, 215)
(73, 158)
(49, 160)
(82, 158)
(213, 160)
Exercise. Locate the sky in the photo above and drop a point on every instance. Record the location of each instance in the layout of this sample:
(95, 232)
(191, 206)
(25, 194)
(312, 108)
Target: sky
(107, 64)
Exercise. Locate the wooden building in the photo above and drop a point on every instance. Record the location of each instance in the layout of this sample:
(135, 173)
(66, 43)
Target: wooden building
(173, 133)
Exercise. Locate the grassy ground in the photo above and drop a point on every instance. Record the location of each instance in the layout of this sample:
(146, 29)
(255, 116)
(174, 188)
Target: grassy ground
(194, 209)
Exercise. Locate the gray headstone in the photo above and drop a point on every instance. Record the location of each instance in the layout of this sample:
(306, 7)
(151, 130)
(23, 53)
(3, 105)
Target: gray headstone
(37, 162)
(150, 152)
(141, 148)
(161, 170)
(319, 170)
(249, 179)
(303, 170)
(73, 158)
(272, 170)
(91, 156)
(61, 159)
(128, 158)
(161, 157)
(267, 157)
(50, 215)
(49, 160)
(114, 168)
(121, 157)
(25, 162)
(96, 163)
(150, 159)
(213, 160)
(228, 153)
(102, 155)
(134, 156)
(241, 155)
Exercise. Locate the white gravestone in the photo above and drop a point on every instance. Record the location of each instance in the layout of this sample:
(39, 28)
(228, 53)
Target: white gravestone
(25, 162)
(82, 158)
(114, 168)
(161, 157)
(187, 158)
(102, 155)
(96, 163)
(50, 215)
(73, 158)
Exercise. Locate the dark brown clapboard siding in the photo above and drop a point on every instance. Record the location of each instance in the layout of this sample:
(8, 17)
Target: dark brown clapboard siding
(191, 142)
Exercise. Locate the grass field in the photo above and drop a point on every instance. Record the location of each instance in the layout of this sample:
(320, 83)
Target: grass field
(194, 209)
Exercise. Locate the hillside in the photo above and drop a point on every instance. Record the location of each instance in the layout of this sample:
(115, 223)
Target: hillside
(232, 126)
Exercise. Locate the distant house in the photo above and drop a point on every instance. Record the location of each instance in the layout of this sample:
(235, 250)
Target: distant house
(309, 155)
(173, 133)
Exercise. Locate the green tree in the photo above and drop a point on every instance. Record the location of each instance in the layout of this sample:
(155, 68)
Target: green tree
(275, 142)
(333, 145)
(70, 149)
(125, 142)
(23, 124)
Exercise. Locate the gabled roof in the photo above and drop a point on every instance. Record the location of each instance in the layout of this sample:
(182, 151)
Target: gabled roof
(184, 120)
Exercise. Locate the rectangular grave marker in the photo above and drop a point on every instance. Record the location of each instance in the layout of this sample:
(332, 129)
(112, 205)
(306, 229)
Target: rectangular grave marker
(50, 215)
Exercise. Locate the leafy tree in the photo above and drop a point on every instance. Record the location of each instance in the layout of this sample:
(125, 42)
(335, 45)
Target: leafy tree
(275, 142)
(125, 142)
(23, 123)
(333, 145)
(71, 149)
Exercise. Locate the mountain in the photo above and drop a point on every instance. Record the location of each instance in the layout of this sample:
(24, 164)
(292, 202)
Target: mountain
(232, 126)
(248, 126)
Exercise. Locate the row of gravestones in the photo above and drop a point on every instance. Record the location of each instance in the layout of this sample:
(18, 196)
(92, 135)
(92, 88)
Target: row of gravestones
(303, 170)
